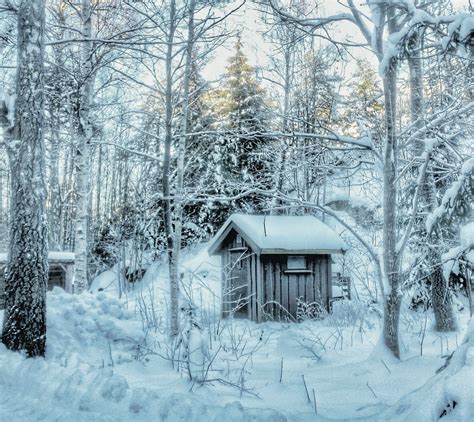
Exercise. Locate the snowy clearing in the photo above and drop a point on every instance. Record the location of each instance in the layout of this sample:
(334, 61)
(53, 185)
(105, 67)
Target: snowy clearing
(102, 366)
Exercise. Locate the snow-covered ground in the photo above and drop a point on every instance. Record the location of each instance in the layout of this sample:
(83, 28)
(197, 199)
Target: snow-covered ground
(108, 359)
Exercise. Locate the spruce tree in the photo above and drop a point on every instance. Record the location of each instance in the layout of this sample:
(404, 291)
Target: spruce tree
(239, 153)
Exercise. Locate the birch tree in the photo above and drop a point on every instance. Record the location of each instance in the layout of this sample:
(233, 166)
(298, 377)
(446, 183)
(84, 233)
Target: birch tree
(179, 201)
(26, 275)
(84, 135)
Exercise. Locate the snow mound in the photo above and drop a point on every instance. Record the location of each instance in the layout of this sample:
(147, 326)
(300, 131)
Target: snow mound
(447, 395)
(90, 338)
(88, 324)
(105, 281)
(200, 280)
(182, 408)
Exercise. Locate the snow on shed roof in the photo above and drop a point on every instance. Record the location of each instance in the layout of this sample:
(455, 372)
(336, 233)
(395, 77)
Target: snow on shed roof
(53, 256)
(268, 234)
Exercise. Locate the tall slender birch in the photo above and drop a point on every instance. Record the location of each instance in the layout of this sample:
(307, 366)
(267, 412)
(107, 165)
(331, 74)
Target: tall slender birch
(286, 37)
(84, 138)
(179, 200)
(167, 203)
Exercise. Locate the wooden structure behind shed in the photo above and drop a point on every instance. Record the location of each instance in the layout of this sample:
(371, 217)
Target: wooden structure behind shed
(269, 263)
(61, 270)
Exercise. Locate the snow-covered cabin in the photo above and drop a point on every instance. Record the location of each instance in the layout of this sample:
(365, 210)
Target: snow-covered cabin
(61, 269)
(269, 262)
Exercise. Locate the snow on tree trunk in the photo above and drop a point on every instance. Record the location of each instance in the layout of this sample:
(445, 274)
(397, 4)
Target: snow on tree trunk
(470, 69)
(390, 255)
(54, 192)
(177, 209)
(26, 275)
(391, 262)
(84, 137)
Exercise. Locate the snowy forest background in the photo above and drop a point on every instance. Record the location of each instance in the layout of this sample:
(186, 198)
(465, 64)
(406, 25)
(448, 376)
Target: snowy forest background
(133, 129)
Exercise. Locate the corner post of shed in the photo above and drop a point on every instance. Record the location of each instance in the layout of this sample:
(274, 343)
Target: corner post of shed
(259, 288)
(329, 281)
(224, 285)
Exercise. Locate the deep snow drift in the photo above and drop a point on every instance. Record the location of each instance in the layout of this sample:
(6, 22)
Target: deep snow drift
(108, 359)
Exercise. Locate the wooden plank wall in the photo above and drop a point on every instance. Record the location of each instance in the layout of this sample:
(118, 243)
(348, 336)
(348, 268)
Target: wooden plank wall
(282, 288)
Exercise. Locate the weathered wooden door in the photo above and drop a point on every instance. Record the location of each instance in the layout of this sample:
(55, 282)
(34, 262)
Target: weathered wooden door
(239, 282)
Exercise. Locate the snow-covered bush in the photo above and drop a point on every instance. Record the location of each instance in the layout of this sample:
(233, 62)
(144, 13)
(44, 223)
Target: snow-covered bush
(312, 343)
(193, 346)
(348, 313)
(309, 311)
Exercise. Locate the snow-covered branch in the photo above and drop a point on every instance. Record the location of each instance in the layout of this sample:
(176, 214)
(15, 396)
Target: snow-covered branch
(451, 196)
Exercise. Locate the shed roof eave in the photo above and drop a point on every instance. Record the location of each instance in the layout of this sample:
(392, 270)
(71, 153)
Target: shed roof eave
(53, 257)
(301, 251)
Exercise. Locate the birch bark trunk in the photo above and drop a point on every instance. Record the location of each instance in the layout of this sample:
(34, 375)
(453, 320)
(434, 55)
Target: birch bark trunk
(167, 209)
(281, 158)
(84, 137)
(390, 256)
(179, 201)
(26, 275)
(393, 298)
(54, 194)
(56, 107)
(174, 208)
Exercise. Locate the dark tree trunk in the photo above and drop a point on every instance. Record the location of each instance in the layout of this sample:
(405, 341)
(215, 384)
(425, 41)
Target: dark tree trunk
(441, 300)
(440, 294)
(26, 275)
(391, 321)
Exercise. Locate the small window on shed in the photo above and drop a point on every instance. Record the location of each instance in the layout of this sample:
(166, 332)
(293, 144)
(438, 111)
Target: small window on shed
(296, 263)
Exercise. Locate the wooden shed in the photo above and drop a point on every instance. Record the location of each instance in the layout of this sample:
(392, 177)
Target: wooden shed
(61, 270)
(269, 263)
